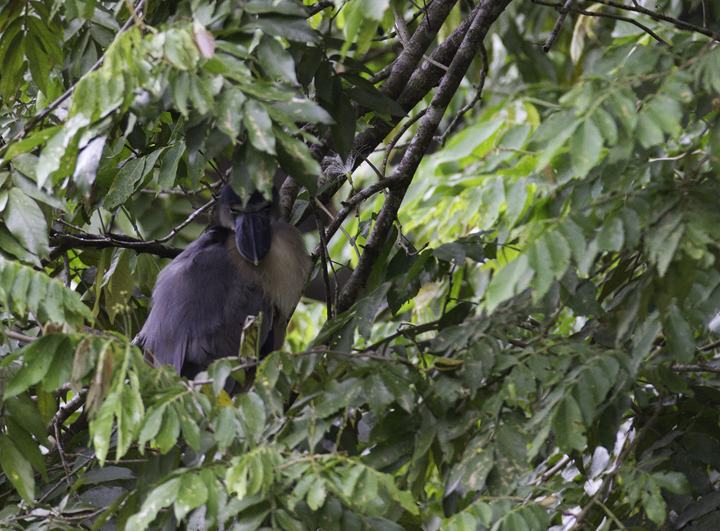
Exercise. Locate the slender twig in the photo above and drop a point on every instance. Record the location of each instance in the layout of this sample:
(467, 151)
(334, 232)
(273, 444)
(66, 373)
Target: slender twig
(347, 208)
(185, 223)
(66, 269)
(350, 239)
(611, 515)
(352, 355)
(709, 346)
(61, 453)
(64, 241)
(18, 336)
(316, 8)
(324, 256)
(133, 13)
(66, 411)
(561, 7)
(609, 477)
(397, 137)
(478, 95)
(404, 332)
(699, 368)
(558, 24)
(564, 460)
(74, 227)
(655, 15)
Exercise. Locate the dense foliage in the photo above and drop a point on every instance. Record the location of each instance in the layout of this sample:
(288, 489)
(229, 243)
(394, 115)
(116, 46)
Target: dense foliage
(518, 244)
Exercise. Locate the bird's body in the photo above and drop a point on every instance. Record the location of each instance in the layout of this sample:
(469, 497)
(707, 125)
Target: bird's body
(201, 300)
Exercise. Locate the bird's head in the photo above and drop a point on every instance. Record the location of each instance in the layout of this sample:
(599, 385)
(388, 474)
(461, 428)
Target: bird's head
(251, 222)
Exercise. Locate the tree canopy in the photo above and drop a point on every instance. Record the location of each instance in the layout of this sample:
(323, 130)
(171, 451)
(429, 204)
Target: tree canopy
(513, 208)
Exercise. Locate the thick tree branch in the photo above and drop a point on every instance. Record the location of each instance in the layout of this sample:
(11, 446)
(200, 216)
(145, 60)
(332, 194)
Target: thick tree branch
(400, 77)
(411, 55)
(422, 80)
(482, 18)
(62, 242)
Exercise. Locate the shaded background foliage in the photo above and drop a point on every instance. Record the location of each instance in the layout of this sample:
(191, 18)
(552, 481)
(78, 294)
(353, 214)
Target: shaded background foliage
(525, 244)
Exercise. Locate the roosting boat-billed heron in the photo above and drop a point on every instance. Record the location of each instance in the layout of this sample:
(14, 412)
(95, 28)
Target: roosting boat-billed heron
(250, 263)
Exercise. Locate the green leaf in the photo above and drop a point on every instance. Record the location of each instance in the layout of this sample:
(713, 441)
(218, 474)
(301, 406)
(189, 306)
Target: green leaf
(567, 423)
(229, 115)
(124, 184)
(662, 240)
(316, 495)
(472, 470)
(27, 446)
(26, 222)
(371, 97)
(648, 131)
(275, 60)
(39, 62)
(169, 165)
(12, 67)
(714, 145)
(30, 142)
(295, 159)
(606, 124)
(679, 335)
(251, 411)
(192, 493)
(101, 423)
(303, 110)
(52, 155)
(290, 28)
(585, 146)
(180, 91)
(37, 358)
(513, 278)
(180, 50)
(625, 109)
(667, 113)
(611, 236)
(259, 126)
(169, 431)
(463, 521)
(190, 429)
(151, 425)
(49, 38)
(129, 416)
(17, 469)
(107, 474)
(161, 497)
(654, 506)
(253, 169)
(338, 395)
(201, 94)
(552, 134)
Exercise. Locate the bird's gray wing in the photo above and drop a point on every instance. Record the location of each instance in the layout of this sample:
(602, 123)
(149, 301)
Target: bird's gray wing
(200, 304)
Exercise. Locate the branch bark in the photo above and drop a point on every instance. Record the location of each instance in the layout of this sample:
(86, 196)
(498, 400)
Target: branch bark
(482, 17)
(62, 242)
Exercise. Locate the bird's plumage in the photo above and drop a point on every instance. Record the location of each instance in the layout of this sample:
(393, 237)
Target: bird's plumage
(202, 299)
